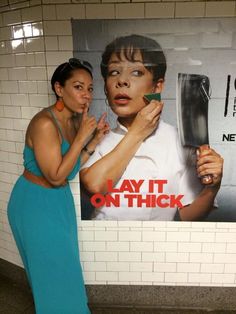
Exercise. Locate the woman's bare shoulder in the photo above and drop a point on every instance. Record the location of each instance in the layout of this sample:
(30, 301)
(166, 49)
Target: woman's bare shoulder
(41, 123)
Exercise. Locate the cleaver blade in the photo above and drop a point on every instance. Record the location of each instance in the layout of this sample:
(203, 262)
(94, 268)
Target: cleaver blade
(192, 111)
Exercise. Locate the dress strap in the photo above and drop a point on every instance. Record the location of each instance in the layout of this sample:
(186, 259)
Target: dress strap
(56, 121)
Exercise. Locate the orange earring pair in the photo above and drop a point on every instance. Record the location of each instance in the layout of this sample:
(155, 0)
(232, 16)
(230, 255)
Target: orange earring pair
(59, 105)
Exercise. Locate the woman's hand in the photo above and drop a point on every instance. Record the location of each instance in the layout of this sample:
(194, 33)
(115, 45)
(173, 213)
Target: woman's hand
(210, 162)
(87, 126)
(147, 119)
(103, 128)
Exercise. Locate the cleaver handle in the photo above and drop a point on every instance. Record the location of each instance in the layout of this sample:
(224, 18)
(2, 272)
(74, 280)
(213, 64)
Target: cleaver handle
(207, 179)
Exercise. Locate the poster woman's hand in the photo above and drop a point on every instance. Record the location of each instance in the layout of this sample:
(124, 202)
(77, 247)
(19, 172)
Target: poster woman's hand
(147, 119)
(209, 162)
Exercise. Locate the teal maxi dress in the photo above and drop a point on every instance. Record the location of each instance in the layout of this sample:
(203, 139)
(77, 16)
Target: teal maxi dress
(43, 222)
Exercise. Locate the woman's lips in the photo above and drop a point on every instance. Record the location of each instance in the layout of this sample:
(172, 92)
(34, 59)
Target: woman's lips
(121, 99)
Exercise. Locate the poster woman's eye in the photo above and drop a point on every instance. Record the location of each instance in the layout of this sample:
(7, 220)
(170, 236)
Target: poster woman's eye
(137, 73)
(113, 72)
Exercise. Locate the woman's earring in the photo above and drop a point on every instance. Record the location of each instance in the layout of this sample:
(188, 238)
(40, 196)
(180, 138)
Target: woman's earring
(59, 105)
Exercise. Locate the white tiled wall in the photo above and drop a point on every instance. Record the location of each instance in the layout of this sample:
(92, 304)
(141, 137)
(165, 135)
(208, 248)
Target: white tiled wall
(36, 35)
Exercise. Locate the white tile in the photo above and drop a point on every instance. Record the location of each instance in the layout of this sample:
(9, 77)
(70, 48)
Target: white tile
(16, 159)
(216, 8)
(188, 267)
(29, 112)
(117, 266)
(223, 278)
(56, 1)
(42, 87)
(4, 74)
(5, 33)
(20, 124)
(93, 246)
(40, 101)
(107, 276)
(19, 100)
(7, 59)
(12, 17)
(5, 99)
(56, 58)
(36, 73)
(130, 236)
(166, 246)
(178, 236)
(201, 257)
(128, 276)
(31, 14)
(28, 87)
(87, 256)
(177, 257)
(225, 258)
(57, 28)
(159, 10)
(49, 12)
(141, 267)
(12, 112)
(214, 247)
(165, 267)
(12, 135)
(40, 59)
(65, 43)
(225, 237)
(10, 87)
(177, 277)
(129, 10)
(8, 146)
(118, 246)
(51, 43)
(106, 256)
(101, 11)
(153, 257)
(212, 268)
(202, 236)
(94, 266)
(34, 44)
(30, 60)
(37, 29)
(141, 246)
(189, 247)
(153, 236)
(203, 278)
(17, 73)
(89, 276)
(105, 235)
(129, 256)
(66, 12)
(190, 9)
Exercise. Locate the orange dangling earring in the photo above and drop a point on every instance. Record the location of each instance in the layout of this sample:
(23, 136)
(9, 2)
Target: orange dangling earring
(59, 105)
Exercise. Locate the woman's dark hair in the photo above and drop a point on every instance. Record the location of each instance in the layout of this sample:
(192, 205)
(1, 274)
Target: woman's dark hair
(152, 54)
(65, 71)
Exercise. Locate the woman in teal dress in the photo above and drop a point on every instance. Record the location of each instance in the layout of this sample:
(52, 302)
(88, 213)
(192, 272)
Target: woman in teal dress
(41, 209)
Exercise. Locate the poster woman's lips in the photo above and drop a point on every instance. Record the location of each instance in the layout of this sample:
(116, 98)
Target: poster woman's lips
(121, 99)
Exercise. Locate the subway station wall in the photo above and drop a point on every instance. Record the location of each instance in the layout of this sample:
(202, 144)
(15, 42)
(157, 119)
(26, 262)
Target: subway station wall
(35, 36)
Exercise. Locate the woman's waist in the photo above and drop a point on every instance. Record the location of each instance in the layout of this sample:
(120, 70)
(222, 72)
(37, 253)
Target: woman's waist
(40, 179)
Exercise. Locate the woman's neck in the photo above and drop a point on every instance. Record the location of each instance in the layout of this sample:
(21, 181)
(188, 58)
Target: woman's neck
(126, 122)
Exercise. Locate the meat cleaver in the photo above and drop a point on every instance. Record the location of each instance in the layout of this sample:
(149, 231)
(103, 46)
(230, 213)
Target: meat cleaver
(192, 112)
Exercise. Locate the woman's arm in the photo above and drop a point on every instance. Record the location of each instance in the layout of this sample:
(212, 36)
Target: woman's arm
(209, 163)
(102, 129)
(112, 165)
(47, 147)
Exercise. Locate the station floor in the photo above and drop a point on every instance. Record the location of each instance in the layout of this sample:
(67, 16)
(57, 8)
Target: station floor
(17, 299)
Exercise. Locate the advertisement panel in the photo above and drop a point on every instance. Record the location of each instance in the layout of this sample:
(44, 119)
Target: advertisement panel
(154, 163)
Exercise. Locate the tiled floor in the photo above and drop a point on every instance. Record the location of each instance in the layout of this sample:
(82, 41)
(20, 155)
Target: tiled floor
(17, 299)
